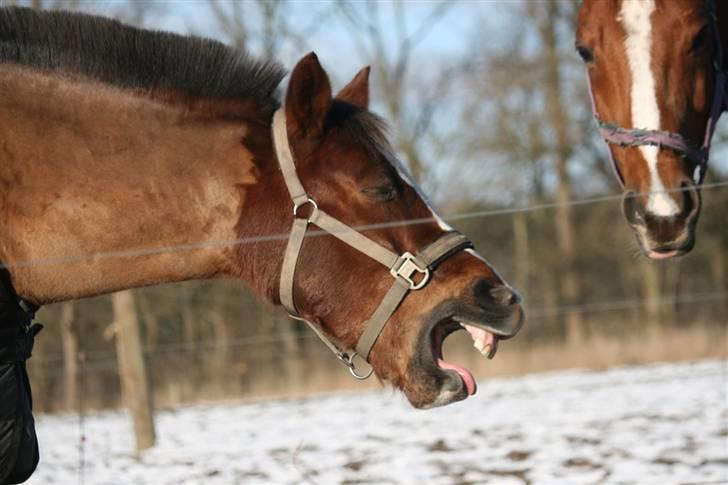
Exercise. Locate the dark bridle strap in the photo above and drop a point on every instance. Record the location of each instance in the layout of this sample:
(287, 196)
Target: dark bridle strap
(449, 244)
(409, 272)
(720, 104)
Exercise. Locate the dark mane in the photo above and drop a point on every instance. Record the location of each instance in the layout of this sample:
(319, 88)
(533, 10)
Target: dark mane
(365, 128)
(118, 54)
(111, 52)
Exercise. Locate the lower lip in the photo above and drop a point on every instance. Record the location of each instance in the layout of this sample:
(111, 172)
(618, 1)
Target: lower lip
(655, 255)
(465, 375)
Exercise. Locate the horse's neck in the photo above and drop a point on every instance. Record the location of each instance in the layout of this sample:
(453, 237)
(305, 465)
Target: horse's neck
(98, 185)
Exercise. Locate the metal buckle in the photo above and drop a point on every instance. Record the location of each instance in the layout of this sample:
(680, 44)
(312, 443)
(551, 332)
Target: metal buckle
(307, 201)
(348, 361)
(406, 267)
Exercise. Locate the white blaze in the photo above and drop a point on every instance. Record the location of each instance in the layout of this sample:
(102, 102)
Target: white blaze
(635, 16)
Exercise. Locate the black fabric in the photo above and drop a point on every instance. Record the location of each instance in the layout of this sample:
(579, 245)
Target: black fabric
(18, 442)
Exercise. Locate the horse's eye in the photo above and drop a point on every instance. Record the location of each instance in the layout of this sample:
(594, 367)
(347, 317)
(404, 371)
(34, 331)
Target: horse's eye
(586, 54)
(381, 193)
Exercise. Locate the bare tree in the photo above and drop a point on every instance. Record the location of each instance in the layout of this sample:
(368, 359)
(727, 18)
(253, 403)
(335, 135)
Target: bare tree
(264, 26)
(391, 62)
(231, 21)
(43, 4)
(548, 16)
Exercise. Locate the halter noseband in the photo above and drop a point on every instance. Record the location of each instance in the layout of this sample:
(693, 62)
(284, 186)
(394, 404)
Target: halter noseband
(631, 137)
(410, 272)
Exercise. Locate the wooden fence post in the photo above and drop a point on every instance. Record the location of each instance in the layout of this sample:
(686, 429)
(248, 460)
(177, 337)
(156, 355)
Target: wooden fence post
(69, 343)
(135, 387)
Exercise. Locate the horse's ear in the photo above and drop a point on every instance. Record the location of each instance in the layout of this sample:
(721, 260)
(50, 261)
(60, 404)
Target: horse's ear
(357, 91)
(308, 99)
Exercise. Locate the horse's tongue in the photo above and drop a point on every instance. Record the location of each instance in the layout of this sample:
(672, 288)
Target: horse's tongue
(464, 373)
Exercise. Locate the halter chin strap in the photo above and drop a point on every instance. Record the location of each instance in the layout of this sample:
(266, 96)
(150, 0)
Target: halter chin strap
(631, 137)
(410, 272)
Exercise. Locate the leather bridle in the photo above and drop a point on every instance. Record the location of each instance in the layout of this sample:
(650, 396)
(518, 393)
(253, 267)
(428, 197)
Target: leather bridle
(632, 137)
(411, 272)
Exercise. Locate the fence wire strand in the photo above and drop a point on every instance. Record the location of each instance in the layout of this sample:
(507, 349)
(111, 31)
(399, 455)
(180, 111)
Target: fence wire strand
(103, 360)
(178, 248)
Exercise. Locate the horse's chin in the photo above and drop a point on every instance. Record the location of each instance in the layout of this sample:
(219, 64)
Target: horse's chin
(659, 251)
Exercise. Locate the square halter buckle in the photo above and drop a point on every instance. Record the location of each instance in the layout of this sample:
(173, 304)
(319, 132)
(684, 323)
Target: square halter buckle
(406, 267)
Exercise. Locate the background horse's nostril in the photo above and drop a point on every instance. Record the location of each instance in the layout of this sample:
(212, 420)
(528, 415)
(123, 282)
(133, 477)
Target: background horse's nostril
(691, 199)
(632, 208)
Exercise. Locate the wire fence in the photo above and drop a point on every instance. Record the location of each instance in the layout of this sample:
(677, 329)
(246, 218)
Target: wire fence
(101, 360)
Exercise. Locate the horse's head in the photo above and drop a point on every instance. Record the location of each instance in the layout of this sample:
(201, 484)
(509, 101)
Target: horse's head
(346, 165)
(652, 78)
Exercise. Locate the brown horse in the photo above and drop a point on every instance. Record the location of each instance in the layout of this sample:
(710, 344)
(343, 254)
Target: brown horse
(132, 158)
(657, 81)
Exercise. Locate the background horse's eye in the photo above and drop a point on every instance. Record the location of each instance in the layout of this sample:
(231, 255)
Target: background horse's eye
(587, 55)
(382, 193)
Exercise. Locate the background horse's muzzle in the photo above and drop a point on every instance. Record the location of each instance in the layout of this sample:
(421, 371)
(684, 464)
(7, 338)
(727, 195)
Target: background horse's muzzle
(665, 235)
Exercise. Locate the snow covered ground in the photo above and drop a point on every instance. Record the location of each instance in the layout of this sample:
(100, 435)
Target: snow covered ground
(661, 424)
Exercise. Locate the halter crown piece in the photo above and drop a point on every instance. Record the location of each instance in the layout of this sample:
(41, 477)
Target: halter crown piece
(410, 272)
(631, 137)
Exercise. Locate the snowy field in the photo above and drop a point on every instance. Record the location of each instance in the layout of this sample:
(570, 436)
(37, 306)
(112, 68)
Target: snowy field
(662, 424)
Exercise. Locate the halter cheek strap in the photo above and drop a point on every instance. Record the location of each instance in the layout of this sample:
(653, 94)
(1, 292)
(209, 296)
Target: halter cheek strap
(410, 272)
(631, 137)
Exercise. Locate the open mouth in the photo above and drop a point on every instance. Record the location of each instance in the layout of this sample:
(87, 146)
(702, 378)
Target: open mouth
(438, 382)
(484, 341)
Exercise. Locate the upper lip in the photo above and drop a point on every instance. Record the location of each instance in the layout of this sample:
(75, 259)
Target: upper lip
(505, 321)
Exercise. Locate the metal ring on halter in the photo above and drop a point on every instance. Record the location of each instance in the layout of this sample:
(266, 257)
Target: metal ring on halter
(307, 201)
(348, 360)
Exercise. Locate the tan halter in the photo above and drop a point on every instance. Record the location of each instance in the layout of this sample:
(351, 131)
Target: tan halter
(410, 272)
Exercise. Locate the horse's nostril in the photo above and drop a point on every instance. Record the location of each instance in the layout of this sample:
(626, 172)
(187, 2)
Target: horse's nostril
(487, 294)
(632, 209)
(503, 296)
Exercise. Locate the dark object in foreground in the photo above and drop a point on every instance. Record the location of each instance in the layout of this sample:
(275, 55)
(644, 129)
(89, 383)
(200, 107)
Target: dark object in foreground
(18, 442)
